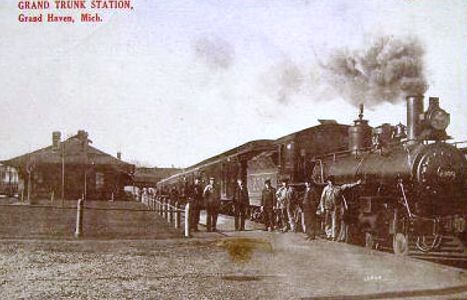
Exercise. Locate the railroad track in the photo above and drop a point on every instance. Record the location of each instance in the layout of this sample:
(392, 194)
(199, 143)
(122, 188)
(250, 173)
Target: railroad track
(450, 252)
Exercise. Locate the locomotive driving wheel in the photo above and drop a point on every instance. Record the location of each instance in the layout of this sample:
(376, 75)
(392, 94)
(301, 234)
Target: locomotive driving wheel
(400, 244)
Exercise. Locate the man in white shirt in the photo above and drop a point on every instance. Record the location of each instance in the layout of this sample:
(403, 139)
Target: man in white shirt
(330, 203)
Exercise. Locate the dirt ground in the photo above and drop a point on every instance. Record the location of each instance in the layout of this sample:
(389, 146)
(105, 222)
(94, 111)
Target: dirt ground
(163, 265)
(219, 268)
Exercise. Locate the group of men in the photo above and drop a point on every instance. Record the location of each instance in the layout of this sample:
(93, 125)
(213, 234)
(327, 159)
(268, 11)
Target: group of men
(209, 198)
(281, 209)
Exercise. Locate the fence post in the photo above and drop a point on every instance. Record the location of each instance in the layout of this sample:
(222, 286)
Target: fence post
(79, 219)
(177, 215)
(159, 204)
(164, 207)
(169, 211)
(187, 219)
(172, 212)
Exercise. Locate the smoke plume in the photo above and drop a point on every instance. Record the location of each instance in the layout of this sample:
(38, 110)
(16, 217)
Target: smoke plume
(215, 52)
(387, 71)
(283, 80)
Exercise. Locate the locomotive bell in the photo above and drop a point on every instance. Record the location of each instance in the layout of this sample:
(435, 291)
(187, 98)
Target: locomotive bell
(359, 134)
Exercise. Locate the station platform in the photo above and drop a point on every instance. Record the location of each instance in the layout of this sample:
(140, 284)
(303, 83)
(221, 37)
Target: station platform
(322, 269)
(226, 225)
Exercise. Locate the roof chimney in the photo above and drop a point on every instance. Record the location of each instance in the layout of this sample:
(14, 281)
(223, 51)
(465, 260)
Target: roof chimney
(56, 139)
(119, 155)
(82, 135)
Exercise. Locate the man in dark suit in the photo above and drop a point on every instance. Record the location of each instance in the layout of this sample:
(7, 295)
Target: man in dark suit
(310, 206)
(241, 202)
(268, 202)
(196, 203)
(212, 199)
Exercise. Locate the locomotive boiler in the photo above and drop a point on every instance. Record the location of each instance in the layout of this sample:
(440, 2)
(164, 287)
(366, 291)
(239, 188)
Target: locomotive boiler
(413, 197)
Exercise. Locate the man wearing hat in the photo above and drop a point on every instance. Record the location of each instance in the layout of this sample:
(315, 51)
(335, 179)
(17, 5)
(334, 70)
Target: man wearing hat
(268, 202)
(285, 198)
(241, 202)
(212, 199)
(330, 204)
(310, 205)
(196, 200)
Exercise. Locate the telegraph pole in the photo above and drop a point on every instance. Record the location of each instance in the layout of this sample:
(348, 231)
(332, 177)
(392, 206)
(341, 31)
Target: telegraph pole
(85, 158)
(63, 174)
(29, 187)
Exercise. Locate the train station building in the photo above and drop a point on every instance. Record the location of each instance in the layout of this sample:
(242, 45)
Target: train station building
(71, 169)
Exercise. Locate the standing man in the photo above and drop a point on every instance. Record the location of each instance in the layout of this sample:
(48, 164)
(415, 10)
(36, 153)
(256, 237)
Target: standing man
(344, 221)
(330, 205)
(212, 200)
(268, 202)
(196, 200)
(285, 198)
(173, 195)
(310, 205)
(241, 202)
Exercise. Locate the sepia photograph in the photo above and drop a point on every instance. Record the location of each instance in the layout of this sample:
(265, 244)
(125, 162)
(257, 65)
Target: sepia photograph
(216, 149)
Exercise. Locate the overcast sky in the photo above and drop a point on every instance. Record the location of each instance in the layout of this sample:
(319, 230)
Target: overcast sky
(174, 82)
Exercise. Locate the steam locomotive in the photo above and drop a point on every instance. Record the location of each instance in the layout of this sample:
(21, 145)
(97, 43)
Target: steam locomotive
(413, 192)
(413, 198)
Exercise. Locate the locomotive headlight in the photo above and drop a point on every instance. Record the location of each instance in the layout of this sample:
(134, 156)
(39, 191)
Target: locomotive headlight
(439, 119)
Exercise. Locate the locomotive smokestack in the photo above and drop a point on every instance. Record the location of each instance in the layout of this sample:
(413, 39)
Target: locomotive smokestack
(414, 110)
(360, 115)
